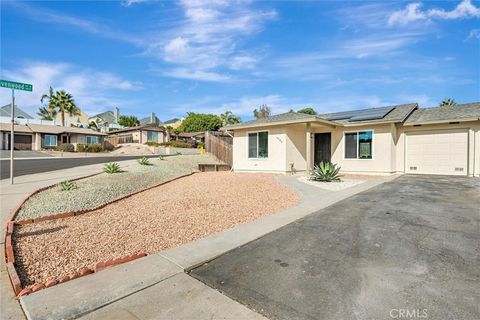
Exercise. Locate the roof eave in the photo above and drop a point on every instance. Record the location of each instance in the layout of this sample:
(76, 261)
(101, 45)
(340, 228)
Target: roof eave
(280, 123)
(414, 123)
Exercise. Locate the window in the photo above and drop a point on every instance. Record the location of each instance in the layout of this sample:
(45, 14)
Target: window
(358, 145)
(50, 140)
(258, 145)
(152, 136)
(91, 139)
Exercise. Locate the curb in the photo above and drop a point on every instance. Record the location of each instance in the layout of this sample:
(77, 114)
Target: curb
(99, 266)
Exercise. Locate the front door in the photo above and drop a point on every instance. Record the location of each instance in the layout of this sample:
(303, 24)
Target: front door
(322, 150)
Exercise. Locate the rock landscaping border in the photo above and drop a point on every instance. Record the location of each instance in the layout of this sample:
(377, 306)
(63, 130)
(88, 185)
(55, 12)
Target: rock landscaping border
(99, 266)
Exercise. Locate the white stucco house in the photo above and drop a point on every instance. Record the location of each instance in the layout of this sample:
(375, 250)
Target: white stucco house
(386, 140)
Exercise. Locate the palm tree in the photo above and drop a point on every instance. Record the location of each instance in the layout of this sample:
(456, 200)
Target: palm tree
(46, 114)
(229, 118)
(448, 103)
(62, 102)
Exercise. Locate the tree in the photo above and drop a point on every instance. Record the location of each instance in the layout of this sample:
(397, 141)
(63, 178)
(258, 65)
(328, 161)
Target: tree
(448, 103)
(128, 121)
(200, 122)
(46, 114)
(308, 110)
(61, 101)
(262, 112)
(229, 118)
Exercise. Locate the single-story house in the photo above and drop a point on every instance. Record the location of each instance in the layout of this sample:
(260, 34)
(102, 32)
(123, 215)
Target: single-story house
(137, 134)
(190, 137)
(38, 136)
(386, 140)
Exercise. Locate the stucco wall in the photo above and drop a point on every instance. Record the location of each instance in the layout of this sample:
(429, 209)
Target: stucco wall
(276, 161)
(296, 147)
(160, 137)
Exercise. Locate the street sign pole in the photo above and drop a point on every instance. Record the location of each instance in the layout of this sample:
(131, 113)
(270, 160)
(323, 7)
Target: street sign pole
(19, 86)
(12, 135)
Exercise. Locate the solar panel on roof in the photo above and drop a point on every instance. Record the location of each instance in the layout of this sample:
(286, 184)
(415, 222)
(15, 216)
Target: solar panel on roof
(359, 115)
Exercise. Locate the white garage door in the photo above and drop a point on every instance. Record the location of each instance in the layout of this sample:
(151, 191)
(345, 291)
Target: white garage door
(437, 152)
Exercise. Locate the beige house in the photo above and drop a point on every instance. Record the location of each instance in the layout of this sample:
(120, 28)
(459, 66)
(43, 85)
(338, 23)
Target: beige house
(37, 136)
(387, 140)
(137, 134)
(75, 120)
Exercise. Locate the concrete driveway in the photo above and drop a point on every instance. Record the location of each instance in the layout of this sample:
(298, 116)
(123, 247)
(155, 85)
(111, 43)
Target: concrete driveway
(406, 249)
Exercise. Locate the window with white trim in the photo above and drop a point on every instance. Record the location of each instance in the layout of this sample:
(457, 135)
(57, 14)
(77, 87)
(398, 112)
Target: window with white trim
(359, 145)
(50, 140)
(91, 139)
(258, 145)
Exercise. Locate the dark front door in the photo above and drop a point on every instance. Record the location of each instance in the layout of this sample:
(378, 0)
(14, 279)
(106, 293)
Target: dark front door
(322, 149)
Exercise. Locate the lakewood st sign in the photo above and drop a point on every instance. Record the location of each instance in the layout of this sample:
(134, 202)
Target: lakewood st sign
(13, 86)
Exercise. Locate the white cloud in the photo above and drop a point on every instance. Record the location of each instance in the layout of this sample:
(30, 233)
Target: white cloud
(92, 90)
(410, 14)
(128, 3)
(413, 12)
(474, 34)
(208, 38)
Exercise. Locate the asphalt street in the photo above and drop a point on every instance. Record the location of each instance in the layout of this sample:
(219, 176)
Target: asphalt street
(31, 166)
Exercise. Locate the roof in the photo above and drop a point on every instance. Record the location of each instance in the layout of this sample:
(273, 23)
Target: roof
(42, 128)
(107, 116)
(171, 121)
(392, 114)
(147, 127)
(19, 113)
(283, 118)
(147, 120)
(459, 112)
(388, 114)
(191, 134)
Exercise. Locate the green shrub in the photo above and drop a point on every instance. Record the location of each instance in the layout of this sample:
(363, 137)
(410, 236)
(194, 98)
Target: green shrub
(112, 167)
(67, 147)
(325, 172)
(144, 161)
(177, 144)
(152, 144)
(94, 147)
(81, 147)
(67, 185)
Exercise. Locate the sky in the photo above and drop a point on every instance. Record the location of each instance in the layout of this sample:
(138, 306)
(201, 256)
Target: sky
(174, 57)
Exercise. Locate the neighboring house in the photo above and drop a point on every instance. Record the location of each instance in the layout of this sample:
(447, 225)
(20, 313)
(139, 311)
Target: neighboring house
(75, 120)
(191, 137)
(107, 120)
(137, 134)
(174, 123)
(152, 119)
(38, 137)
(387, 140)
(19, 113)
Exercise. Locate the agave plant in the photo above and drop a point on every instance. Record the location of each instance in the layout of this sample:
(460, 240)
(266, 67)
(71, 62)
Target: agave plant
(325, 172)
(111, 167)
(144, 161)
(67, 185)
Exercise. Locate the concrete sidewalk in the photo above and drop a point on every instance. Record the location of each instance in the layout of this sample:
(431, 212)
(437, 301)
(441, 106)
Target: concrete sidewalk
(157, 287)
(10, 196)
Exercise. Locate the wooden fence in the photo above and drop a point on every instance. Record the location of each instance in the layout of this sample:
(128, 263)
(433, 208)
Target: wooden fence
(220, 144)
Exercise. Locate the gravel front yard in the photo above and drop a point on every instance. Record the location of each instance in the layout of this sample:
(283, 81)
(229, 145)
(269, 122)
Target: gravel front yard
(163, 217)
(96, 190)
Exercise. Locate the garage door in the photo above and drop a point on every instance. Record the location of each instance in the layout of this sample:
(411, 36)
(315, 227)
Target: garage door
(21, 142)
(437, 152)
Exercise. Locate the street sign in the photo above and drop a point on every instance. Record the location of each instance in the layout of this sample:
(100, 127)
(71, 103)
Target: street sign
(16, 85)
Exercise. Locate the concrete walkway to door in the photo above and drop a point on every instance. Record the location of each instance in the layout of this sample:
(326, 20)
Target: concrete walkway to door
(410, 244)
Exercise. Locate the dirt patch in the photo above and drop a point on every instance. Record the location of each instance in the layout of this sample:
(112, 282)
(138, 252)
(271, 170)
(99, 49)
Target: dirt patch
(164, 217)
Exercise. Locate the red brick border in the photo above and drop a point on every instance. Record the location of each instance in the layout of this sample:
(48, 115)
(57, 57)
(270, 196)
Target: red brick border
(99, 266)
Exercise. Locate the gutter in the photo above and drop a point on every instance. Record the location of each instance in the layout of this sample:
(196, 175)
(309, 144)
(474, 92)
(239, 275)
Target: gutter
(441, 121)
